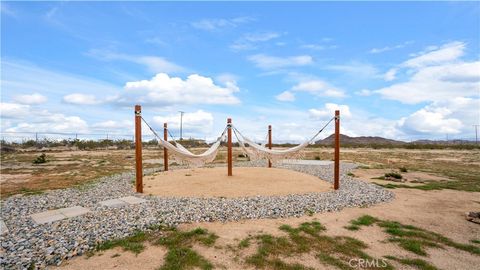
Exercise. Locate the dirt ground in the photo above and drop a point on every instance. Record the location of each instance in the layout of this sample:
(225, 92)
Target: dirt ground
(411, 178)
(438, 211)
(214, 182)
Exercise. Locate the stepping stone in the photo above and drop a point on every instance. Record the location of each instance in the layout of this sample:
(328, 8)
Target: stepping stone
(73, 211)
(113, 203)
(59, 214)
(132, 200)
(3, 227)
(48, 216)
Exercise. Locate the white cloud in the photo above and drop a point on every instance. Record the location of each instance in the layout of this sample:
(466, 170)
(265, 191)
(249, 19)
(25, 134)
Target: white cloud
(273, 62)
(319, 88)
(448, 52)
(81, 99)
(249, 41)
(437, 83)
(431, 56)
(329, 111)
(318, 47)
(31, 99)
(40, 120)
(193, 123)
(425, 121)
(260, 36)
(364, 92)
(443, 117)
(436, 75)
(285, 96)
(111, 125)
(357, 69)
(155, 64)
(390, 75)
(14, 110)
(219, 24)
(166, 90)
(390, 48)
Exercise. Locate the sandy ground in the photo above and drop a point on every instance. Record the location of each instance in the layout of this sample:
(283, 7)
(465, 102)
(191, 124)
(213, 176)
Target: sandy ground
(214, 182)
(438, 211)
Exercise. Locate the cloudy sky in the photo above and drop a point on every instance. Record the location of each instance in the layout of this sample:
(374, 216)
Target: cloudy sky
(398, 70)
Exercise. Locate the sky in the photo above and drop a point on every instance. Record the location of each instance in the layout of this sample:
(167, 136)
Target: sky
(400, 70)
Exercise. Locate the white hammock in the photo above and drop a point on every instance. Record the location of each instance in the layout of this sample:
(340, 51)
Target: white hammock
(256, 151)
(182, 155)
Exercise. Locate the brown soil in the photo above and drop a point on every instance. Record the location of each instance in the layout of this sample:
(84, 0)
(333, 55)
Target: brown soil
(416, 177)
(214, 182)
(438, 211)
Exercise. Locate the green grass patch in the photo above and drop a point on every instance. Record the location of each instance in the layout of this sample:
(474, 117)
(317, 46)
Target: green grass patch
(180, 254)
(364, 220)
(184, 258)
(132, 243)
(306, 238)
(475, 241)
(244, 243)
(412, 238)
(416, 263)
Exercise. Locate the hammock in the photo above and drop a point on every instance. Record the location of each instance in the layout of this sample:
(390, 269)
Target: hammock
(183, 155)
(256, 151)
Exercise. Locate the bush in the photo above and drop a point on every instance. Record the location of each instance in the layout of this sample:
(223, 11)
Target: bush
(317, 157)
(40, 159)
(403, 169)
(393, 175)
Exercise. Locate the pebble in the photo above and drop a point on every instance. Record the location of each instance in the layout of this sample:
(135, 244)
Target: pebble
(28, 244)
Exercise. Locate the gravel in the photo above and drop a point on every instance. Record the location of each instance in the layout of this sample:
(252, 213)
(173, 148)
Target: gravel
(30, 245)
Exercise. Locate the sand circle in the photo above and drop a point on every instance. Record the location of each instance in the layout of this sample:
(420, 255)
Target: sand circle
(245, 182)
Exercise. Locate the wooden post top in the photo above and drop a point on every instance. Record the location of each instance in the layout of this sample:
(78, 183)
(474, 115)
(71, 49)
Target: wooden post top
(165, 125)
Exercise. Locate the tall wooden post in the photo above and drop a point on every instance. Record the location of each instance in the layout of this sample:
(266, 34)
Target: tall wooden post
(165, 151)
(336, 183)
(138, 149)
(269, 143)
(229, 146)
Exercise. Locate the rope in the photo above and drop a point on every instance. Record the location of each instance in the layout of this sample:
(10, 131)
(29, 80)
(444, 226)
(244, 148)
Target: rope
(316, 134)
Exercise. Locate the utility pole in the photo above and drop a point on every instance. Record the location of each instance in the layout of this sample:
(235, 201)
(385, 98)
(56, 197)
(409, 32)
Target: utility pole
(476, 133)
(181, 123)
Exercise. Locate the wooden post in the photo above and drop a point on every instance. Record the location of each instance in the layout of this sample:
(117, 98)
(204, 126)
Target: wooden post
(138, 149)
(229, 146)
(165, 151)
(269, 143)
(336, 183)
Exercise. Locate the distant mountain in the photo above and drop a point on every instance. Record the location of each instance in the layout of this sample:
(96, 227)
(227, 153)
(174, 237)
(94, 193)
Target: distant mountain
(362, 140)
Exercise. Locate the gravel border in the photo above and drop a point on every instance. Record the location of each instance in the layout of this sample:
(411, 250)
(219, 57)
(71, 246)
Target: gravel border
(28, 244)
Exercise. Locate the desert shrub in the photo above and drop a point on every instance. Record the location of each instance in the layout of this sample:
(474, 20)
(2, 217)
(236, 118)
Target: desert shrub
(317, 157)
(403, 169)
(40, 159)
(393, 175)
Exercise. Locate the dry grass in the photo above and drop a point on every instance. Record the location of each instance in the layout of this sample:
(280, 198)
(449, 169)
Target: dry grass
(72, 168)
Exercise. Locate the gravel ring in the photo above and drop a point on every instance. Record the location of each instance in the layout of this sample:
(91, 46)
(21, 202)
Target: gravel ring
(27, 244)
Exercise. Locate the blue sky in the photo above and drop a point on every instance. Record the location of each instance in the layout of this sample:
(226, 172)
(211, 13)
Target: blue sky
(398, 70)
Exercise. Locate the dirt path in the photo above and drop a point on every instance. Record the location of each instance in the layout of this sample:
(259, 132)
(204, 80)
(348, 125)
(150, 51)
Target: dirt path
(438, 211)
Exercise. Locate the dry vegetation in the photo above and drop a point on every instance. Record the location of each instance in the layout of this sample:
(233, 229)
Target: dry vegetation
(66, 168)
